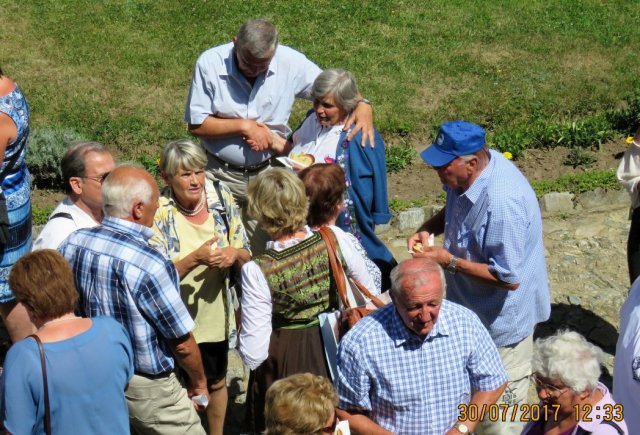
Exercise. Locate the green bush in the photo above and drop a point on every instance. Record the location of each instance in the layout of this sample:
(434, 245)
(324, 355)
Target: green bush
(399, 157)
(577, 183)
(45, 149)
(39, 216)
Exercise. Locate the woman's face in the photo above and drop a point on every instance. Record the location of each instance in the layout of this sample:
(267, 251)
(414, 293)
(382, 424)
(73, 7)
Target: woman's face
(560, 399)
(187, 186)
(327, 112)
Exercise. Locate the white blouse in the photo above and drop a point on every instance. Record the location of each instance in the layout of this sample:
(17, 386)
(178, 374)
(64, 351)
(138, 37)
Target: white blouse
(255, 329)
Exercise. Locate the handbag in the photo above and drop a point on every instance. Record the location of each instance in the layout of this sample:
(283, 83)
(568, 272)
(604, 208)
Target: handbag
(349, 315)
(47, 412)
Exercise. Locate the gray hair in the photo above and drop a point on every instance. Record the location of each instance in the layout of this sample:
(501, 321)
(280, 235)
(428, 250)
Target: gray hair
(73, 161)
(340, 84)
(182, 153)
(417, 272)
(569, 357)
(258, 37)
(119, 194)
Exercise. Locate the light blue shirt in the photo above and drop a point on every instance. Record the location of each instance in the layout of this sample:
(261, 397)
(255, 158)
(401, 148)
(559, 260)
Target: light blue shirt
(497, 222)
(218, 88)
(413, 386)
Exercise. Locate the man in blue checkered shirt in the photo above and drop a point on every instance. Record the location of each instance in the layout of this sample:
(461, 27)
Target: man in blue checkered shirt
(493, 250)
(118, 274)
(422, 365)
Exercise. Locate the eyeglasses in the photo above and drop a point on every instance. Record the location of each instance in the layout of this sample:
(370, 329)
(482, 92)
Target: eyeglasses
(550, 388)
(99, 178)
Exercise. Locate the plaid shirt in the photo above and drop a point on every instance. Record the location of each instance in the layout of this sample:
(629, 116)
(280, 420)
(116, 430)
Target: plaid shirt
(412, 386)
(497, 222)
(118, 274)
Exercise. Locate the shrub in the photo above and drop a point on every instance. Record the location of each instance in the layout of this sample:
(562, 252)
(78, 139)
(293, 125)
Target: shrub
(45, 149)
(399, 157)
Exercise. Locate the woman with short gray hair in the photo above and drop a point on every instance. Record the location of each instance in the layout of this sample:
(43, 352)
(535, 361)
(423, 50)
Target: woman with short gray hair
(566, 372)
(198, 226)
(321, 139)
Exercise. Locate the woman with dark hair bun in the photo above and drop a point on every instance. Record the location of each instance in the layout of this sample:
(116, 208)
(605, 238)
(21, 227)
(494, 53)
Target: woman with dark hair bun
(15, 201)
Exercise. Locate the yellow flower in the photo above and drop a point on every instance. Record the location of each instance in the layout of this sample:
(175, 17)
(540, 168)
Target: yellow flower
(158, 161)
(508, 155)
(629, 140)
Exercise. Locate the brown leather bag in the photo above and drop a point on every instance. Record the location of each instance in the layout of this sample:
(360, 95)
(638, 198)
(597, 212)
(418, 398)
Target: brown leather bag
(349, 315)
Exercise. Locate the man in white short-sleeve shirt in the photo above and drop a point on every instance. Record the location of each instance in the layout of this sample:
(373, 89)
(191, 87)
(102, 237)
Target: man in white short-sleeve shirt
(84, 166)
(239, 104)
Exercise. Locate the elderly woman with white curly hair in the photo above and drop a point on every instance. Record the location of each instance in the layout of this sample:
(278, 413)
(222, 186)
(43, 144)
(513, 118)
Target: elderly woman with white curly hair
(566, 372)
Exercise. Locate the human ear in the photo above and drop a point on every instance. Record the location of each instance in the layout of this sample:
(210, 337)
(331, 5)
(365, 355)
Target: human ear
(75, 183)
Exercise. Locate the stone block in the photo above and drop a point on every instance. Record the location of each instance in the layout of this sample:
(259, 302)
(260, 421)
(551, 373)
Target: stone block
(557, 202)
(601, 198)
(410, 220)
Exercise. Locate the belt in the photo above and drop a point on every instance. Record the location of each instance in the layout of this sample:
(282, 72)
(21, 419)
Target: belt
(156, 376)
(244, 169)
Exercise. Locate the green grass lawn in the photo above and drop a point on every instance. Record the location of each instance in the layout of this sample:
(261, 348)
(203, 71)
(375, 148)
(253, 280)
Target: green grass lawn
(118, 71)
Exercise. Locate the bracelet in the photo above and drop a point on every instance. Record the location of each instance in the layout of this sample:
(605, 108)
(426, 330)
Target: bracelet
(365, 101)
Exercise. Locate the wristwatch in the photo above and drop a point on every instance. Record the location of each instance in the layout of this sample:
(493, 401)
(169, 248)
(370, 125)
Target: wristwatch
(452, 267)
(365, 101)
(461, 427)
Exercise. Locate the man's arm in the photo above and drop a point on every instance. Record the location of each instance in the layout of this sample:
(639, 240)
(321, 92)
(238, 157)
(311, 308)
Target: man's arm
(213, 128)
(187, 354)
(360, 423)
(479, 400)
(362, 117)
(434, 226)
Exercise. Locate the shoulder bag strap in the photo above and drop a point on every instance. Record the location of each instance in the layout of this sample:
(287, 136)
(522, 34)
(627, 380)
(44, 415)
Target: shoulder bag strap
(47, 412)
(223, 212)
(336, 268)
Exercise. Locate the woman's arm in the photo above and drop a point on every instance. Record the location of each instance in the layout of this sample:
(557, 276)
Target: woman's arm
(255, 329)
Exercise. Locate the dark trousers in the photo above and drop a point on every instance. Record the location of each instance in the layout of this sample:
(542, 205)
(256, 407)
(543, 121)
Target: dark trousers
(633, 246)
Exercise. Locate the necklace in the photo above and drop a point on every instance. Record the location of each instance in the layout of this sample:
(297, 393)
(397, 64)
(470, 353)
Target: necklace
(197, 209)
(61, 319)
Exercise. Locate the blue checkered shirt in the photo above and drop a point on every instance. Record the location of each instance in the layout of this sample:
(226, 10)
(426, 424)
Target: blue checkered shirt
(409, 385)
(497, 222)
(118, 274)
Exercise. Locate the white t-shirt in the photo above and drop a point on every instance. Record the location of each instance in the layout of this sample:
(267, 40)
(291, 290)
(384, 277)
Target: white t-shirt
(626, 374)
(58, 229)
(312, 138)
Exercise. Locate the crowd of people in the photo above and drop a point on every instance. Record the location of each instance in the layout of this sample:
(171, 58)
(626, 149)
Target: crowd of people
(123, 313)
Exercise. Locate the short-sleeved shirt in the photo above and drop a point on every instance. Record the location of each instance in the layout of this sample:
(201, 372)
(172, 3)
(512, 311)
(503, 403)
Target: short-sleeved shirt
(87, 375)
(218, 88)
(411, 385)
(497, 222)
(65, 219)
(118, 274)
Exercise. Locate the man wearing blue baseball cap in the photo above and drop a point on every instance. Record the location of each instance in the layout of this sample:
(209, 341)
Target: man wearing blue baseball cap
(493, 251)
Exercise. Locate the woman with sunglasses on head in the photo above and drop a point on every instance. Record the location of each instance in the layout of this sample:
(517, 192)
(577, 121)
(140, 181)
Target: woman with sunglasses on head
(572, 400)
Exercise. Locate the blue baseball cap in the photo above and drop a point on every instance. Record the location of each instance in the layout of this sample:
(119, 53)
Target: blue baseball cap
(454, 139)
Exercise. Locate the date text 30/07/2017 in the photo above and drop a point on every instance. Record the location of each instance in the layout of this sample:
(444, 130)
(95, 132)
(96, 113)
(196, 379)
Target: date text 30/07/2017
(504, 412)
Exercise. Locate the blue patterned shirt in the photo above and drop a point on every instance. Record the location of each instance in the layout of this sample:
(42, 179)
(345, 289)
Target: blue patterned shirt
(118, 274)
(497, 222)
(409, 385)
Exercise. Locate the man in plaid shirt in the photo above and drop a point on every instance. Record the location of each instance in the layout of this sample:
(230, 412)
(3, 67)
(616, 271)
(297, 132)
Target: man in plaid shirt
(118, 274)
(422, 365)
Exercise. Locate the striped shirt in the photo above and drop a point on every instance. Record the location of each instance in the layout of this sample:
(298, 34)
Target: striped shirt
(118, 274)
(497, 222)
(409, 385)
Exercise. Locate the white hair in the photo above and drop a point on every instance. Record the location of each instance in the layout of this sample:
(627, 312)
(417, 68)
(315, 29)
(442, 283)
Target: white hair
(119, 194)
(257, 37)
(337, 83)
(418, 276)
(569, 357)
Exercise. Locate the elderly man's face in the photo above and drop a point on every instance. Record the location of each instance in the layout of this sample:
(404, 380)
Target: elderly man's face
(456, 174)
(97, 167)
(419, 305)
(251, 67)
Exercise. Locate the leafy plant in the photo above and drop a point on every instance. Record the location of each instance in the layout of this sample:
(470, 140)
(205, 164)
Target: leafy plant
(397, 205)
(45, 149)
(399, 157)
(579, 157)
(151, 163)
(577, 183)
(40, 215)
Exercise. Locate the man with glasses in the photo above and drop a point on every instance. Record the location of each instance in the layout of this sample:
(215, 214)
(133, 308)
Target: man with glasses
(84, 166)
(493, 250)
(239, 103)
